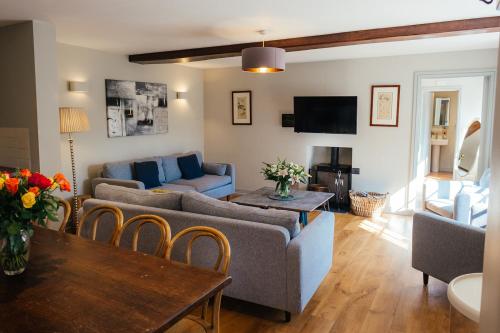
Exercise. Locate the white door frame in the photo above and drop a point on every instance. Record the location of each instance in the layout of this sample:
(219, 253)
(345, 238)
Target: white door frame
(419, 140)
(427, 130)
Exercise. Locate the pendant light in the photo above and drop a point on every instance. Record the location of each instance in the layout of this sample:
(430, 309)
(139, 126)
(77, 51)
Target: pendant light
(263, 59)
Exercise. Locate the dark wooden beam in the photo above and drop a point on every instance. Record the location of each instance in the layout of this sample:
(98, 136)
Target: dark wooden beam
(401, 33)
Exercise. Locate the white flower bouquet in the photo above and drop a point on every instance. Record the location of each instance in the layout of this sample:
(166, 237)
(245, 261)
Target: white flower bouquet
(285, 174)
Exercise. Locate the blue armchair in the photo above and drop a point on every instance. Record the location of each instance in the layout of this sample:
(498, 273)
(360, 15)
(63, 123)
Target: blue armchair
(462, 201)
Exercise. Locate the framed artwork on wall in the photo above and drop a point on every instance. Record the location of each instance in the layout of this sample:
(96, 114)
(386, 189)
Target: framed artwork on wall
(384, 109)
(136, 108)
(242, 107)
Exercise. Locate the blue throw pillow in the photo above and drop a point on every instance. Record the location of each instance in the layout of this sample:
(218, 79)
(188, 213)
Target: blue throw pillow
(190, 167)
(147, 172)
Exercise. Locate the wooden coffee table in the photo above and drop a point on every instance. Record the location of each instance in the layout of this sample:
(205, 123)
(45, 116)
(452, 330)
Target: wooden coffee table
(304, 202)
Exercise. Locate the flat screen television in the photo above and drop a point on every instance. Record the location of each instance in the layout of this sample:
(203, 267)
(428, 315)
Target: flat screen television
(326, 114)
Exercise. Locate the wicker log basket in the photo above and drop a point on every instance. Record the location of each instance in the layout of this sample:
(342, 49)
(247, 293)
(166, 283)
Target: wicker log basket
(368, 204)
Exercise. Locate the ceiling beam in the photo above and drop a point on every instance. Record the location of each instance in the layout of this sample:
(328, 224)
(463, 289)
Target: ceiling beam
(392, 34)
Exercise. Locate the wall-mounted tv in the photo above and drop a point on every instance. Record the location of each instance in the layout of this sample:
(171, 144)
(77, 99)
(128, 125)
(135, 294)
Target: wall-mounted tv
(326, 114)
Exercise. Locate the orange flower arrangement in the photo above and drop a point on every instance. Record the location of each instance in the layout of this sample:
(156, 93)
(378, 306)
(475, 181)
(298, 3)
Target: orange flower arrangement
(25, 198)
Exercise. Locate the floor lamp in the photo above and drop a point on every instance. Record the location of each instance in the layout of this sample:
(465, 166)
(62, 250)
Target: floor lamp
(73, 120)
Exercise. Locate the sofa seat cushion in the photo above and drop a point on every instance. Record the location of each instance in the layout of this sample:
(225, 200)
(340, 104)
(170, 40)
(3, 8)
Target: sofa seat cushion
(171, 200)
(199, 203)
(443, 207)
(176, 187)
(204, 183)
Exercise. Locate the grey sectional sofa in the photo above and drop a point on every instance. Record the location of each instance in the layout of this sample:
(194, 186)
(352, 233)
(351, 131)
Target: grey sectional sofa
(274, 262)
(444, 248)
(170, 176)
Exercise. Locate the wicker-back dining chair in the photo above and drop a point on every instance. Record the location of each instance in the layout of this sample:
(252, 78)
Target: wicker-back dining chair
(221, 265)
(66, 213)
(141, 220)
(97, 212)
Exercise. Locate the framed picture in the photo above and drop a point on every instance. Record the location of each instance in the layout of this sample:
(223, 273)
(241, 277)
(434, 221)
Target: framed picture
(136, 108)
(242, 107)
(384, 109)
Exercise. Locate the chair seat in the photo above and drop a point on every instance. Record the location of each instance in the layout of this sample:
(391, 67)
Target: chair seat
(204, 183)
(441, 207)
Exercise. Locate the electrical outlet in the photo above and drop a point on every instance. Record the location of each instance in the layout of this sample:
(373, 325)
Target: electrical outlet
(355, 171)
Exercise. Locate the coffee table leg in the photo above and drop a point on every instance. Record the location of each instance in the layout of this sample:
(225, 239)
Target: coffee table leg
(303, 218)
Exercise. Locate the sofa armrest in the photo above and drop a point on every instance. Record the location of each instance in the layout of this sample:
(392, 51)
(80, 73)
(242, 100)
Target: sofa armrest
(309, 259)
(231, 172)
(462, 208)
(118, 182)
(444, 248)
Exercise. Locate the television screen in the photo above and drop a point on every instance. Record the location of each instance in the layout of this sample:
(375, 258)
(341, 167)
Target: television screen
(326, 114)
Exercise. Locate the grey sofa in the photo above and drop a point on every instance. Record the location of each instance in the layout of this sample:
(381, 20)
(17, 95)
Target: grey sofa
(273, 261)
(444, 248)
(170, 176)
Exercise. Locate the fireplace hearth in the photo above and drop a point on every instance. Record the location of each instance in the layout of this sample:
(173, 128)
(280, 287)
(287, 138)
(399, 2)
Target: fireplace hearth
(337, 176)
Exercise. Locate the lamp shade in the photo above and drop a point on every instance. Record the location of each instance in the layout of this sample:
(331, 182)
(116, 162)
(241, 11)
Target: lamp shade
(72, 120)
(263, 59)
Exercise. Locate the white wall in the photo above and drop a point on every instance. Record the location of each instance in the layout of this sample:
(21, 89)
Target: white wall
(185, 118)
(383, 154)
(28, 90)
(490, 301)
(44, 45)
(17, 86)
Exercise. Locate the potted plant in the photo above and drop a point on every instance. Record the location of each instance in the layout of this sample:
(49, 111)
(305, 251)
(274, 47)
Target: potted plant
(25, 199)
(285, 174)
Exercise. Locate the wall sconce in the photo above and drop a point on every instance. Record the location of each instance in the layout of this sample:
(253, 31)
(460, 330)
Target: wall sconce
(181, 95)
(78, 86)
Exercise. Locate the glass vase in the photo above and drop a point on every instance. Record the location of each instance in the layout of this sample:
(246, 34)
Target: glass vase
(283, 189)
(14, 253)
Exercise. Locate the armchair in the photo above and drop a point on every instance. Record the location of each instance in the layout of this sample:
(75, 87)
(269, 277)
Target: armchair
(444, 248)
(463, 201)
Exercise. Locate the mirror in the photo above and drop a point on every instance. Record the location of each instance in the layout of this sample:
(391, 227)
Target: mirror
(441, 111)
(470, 147)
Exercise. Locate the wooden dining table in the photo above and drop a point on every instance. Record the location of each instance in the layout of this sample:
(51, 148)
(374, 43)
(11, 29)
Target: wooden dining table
(78, 285)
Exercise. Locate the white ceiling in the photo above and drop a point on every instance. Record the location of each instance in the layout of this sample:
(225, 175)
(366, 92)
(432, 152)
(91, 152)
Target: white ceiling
(131, 26)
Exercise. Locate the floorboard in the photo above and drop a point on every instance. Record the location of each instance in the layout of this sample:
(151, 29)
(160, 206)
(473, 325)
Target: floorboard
(371, 288)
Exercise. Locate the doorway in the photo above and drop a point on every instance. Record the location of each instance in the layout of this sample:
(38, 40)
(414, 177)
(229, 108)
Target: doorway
(473, 94)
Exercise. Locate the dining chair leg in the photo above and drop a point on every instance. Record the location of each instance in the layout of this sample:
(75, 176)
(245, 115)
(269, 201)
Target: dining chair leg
(204, 310)
(216, 312)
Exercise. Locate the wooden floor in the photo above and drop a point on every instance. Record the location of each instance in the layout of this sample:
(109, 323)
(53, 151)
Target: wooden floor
(371, 288)
(440, 175)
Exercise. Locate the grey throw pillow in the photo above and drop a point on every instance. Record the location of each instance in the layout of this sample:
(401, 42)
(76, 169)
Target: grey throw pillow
(198, 203)
(214, 168)
(169, 200)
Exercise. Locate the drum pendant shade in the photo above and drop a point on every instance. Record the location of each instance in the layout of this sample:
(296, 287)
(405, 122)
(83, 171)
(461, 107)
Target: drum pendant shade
(263, 59)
